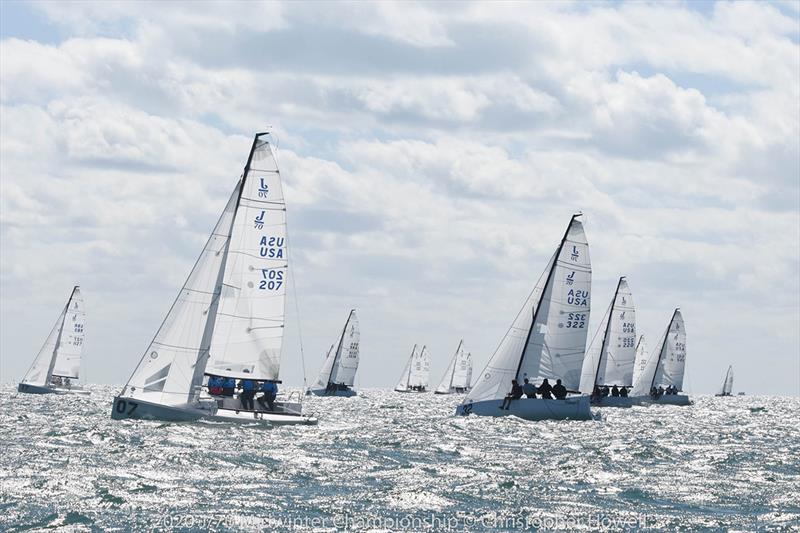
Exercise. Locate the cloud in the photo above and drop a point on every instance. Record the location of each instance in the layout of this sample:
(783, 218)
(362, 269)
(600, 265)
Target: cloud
(431, 158)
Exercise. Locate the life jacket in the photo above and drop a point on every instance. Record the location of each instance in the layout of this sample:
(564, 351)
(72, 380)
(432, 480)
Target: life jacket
(248, 385)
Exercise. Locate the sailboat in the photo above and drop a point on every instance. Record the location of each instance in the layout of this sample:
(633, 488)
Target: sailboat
(547, 340)
(228, 319)
(610, 356)
(727, 384)
(665, 371)
(59, 360)
(458, 375)
(416, 373)
(339, 369)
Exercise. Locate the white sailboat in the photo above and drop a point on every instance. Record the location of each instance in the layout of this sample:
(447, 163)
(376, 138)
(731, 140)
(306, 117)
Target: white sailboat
(228, 319)
(416, 373)
(338, 372)
(608, 366)
(727, 384)
(59, 360)
(458, 376)
(665, 371)
(547, 340)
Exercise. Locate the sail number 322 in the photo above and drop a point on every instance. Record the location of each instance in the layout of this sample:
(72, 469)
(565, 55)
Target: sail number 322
(576, 320)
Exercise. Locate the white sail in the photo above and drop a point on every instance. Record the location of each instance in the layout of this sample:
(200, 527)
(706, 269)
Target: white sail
(458, 373)
(665, 367)
(640, 361)
(405, 377)
(166, 373)
(610, 357)
(37, 373)
(344, 371)
(325, 371)
(248, 333)
(70, 347)
(727, 384)
(420, 369)
(548, 337)
(61, 353)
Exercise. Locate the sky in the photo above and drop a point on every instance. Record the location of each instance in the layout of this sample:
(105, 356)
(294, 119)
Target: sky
(432, 155)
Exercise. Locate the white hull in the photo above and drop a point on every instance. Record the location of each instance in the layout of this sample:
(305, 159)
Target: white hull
(666, 399)
(38, 389)
(409, 390)
(284, 413)
(452, 392)
(613, 401)
(349, 393)
(571, 408)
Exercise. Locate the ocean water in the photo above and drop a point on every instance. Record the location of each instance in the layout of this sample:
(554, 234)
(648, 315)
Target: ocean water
(401, 462)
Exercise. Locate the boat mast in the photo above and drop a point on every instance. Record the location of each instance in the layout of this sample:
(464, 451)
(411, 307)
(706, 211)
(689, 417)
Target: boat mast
(608, 328)
(58, 339)
(663, 344)
(208, 331)
(339, 348)
(546, 283)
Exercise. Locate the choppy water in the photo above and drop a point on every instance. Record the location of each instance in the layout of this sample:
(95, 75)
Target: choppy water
(387, 461)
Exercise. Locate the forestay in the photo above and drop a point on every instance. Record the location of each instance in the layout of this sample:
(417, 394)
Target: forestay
(610, 356)
(548, 337)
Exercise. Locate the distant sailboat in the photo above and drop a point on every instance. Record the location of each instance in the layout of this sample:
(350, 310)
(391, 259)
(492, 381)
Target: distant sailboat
(665, 371)
(228, 319)
(547, 340)
(458, 376)
(59, 360)
(338, 372)
(610, 356)
(727, 384)
(416, 373)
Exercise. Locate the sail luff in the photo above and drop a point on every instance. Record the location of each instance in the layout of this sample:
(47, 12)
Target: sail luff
(58, 339)
(455, 362)
(547, 284)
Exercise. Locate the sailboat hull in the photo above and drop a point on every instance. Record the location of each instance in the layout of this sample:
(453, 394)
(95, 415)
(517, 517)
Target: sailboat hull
(409, 390)
(127, 408)
(666, 399)
(37, 389)
(349, 393)
(613, 401)
(570, 408)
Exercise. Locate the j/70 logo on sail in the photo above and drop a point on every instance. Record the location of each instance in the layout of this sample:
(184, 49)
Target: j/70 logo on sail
(263, 189)
(259, 221)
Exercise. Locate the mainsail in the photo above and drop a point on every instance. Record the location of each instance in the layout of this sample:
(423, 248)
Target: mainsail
(668, 366)
(228, 317)
(548, 337)
(341, 364)
(610, 356)
(61, 353)
(458, 373)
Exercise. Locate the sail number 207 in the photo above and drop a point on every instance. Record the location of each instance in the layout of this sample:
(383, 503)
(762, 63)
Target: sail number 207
(271, 279)
(576, 320)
